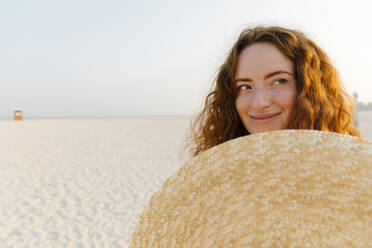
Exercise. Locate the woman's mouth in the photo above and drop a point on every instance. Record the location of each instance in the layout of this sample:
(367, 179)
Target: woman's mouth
(264, 117)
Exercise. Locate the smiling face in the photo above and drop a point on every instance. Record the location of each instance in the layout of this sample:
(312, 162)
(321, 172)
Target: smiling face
(266, 85)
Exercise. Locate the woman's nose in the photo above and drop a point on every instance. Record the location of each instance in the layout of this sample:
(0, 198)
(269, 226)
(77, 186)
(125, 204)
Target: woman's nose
(261, 99)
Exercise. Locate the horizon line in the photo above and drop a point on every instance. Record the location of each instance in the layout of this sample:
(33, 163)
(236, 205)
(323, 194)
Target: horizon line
(96, 117)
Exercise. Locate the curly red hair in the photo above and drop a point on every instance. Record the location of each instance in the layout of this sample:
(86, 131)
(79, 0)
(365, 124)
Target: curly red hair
(322, 103)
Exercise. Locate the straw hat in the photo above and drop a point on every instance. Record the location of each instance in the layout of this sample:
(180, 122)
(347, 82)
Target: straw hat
(288, 188)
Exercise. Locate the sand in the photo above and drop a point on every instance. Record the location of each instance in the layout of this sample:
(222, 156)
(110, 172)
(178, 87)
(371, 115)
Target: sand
(85, 182)
(81, 183)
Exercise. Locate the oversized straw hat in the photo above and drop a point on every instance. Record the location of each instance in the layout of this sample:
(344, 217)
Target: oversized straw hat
(289, 188)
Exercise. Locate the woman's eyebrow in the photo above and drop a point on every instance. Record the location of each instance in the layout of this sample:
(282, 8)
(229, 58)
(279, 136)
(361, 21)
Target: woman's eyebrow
(266, 76)
(243, 80)
(277, 72)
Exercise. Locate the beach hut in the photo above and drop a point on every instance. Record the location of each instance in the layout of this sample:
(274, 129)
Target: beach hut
(18, 114)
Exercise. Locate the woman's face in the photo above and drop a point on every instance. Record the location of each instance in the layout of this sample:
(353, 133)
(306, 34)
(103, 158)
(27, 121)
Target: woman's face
(266, 85)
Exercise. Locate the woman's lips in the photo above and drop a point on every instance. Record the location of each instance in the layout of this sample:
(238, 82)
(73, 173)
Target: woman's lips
(264, 117)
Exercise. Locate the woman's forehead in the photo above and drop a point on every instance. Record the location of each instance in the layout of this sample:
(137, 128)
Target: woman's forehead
(262, 58)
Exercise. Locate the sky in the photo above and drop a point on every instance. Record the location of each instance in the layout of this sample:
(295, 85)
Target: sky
(117, 58)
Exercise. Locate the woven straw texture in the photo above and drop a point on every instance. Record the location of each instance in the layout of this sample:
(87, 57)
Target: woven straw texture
(288, 188)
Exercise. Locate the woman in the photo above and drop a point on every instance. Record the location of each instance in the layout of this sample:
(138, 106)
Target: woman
(273, 78)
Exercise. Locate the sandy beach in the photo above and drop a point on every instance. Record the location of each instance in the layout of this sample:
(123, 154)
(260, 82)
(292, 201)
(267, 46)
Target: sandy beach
(85, 182)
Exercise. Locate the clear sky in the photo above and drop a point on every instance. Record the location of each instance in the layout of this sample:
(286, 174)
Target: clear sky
(80, 58)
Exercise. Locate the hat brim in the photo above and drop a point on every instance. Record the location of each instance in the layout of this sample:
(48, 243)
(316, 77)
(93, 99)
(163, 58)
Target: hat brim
(281, 188)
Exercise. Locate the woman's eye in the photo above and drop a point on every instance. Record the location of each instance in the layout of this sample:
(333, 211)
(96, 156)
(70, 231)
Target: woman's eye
(244, 87)
(280, 81)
